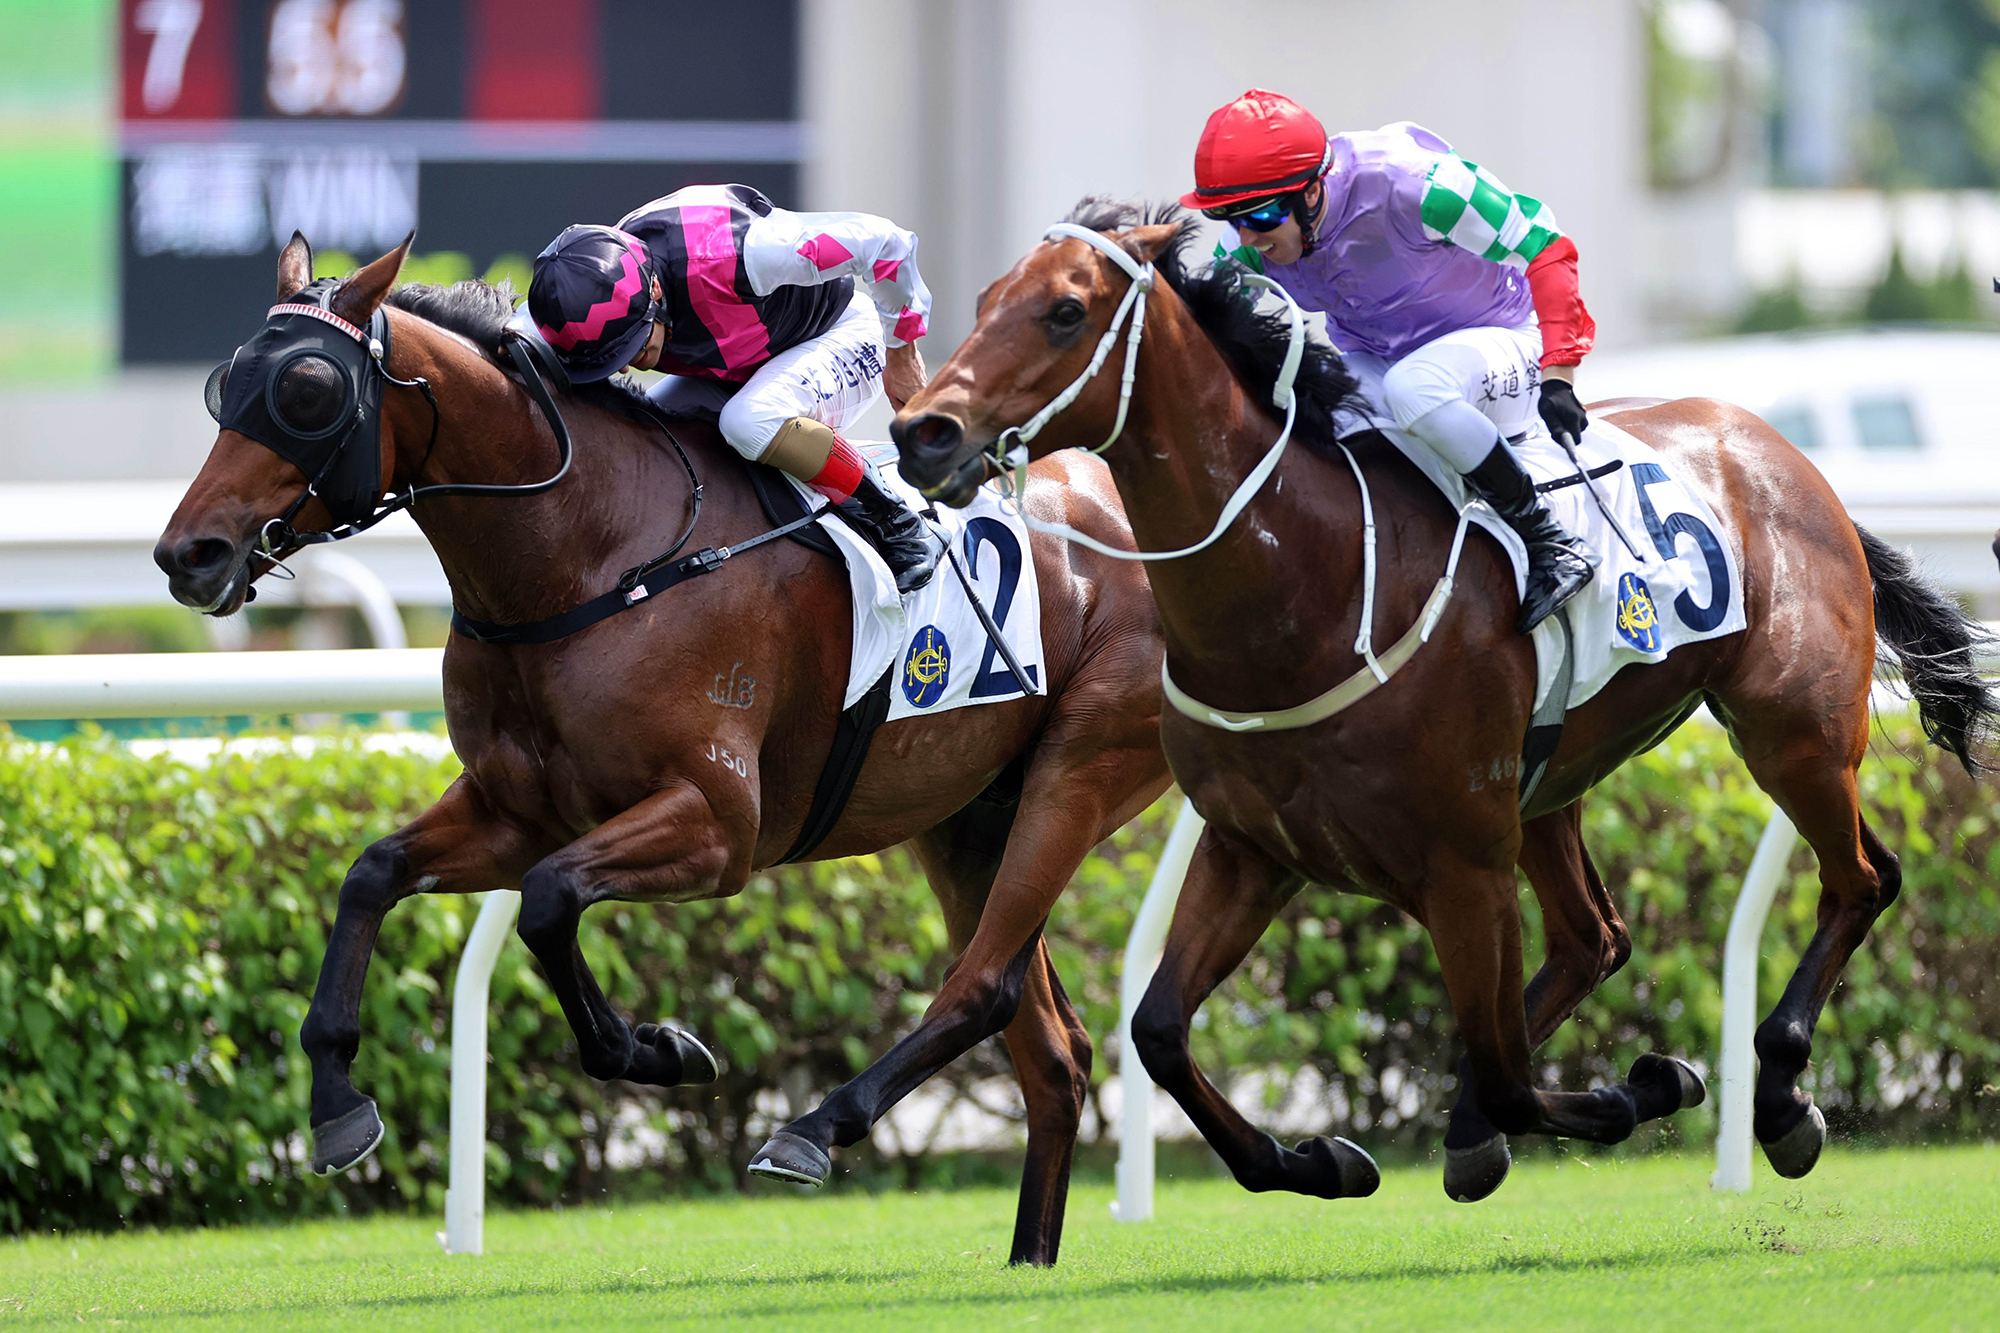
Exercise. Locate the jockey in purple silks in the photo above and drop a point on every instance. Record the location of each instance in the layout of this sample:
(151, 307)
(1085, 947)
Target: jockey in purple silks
(1453, 300)
(787, 325)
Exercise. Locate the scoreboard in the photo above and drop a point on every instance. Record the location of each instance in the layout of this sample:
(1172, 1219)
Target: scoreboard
(486, 125)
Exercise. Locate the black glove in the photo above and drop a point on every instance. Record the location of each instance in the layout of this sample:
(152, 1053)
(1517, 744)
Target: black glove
(1560, 410)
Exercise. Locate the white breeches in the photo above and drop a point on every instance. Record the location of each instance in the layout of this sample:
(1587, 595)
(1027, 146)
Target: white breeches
(1496, 370)
(832, 379)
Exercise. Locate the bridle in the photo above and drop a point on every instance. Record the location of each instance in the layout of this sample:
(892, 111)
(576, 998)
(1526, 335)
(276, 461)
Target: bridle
(1008, 454)
(292, 330)
(1011, 459)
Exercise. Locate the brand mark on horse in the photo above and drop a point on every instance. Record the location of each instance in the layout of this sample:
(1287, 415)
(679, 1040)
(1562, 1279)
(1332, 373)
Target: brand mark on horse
(731, 690)
(1638, 622)
(926, 667)
(735, 763)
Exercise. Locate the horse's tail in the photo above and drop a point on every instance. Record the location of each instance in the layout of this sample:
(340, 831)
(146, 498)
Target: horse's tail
(1934, 642)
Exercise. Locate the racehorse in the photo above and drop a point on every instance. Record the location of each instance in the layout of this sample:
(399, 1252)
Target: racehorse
(602, 765)
(1411, 795)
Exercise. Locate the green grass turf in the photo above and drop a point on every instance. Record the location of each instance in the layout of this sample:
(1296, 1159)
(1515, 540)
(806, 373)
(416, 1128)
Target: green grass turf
(1895, 1240)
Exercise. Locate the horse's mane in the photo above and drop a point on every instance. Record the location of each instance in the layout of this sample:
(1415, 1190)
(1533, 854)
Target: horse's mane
(479, 311)
(1253, 341)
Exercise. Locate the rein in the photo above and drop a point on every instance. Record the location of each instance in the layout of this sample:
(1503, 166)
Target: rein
(1010, 455)
(278, 539)
(1013, 458)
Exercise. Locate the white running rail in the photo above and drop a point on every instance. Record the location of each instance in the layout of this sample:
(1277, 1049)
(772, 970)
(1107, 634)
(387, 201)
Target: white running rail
(1142, 954)
(1739, 1001)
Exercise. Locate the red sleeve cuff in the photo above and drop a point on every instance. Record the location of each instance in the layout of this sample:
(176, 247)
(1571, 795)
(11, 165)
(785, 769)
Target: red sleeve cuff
(1568, 331)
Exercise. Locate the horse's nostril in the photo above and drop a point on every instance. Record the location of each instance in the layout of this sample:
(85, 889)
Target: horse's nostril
(205, 554)
(937, 432)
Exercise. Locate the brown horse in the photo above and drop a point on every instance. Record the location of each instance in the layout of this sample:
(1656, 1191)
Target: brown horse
(599, 766)
(1411, 795)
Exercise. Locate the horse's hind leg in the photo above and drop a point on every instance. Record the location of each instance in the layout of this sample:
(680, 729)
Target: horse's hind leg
(667, 846)
(456, 846)
(1806, 758)
(1587, 942)
(1231, 894)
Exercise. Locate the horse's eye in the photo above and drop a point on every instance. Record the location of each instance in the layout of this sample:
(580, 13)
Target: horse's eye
(1067, 314)
(310, 396)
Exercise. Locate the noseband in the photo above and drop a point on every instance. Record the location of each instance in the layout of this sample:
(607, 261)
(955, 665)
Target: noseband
(1008, 455)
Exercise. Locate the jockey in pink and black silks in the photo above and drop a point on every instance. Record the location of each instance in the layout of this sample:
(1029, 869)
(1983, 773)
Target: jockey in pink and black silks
(1452, 299)
(786, 325)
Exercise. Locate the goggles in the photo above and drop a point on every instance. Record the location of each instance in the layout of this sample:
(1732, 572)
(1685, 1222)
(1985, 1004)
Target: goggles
(1260, 216)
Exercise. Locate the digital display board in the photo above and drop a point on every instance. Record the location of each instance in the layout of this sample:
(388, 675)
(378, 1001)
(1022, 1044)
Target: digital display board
(486, 125)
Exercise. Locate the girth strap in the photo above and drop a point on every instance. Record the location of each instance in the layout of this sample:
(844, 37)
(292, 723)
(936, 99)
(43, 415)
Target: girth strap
(851, 739)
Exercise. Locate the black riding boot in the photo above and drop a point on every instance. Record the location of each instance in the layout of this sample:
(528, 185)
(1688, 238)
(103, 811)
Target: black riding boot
(903, 539)
(1559, 565)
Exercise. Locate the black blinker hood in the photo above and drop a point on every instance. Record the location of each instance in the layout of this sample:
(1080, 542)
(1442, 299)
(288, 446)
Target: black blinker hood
(343, 461)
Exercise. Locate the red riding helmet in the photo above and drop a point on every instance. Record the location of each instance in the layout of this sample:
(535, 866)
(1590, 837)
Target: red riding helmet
(1260, 145)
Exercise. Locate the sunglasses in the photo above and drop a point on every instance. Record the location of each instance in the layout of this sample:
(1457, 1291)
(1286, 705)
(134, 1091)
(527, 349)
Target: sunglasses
(1267, 216)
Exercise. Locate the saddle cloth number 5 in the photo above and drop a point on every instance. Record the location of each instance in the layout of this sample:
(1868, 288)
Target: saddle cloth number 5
(1666, 534)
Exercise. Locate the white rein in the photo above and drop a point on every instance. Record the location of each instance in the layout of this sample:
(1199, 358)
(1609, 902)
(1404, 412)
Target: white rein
(1012, 446)
(1011, 449)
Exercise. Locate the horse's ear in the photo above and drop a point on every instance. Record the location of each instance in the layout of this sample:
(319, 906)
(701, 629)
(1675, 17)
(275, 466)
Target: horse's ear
(360, 296)
(1147, 244)
(295, 266)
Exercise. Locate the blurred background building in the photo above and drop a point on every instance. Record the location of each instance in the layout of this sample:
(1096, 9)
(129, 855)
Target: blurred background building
(1784, 171)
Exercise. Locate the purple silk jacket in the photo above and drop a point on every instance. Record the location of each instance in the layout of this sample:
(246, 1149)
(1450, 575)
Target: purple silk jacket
(1387, 288)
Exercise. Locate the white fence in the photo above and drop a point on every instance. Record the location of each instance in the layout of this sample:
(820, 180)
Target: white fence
(381, 680)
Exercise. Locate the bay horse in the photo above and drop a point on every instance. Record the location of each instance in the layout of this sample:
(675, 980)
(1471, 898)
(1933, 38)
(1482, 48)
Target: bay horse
(603, 766)
(1411, 795)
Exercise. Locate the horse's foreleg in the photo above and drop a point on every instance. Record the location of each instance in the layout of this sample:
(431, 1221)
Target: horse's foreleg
(1050, 1049)
(1587, 942)
(1475, 925)
(667, 846)
(456, 846)
(1231, 894)
(1069, 804)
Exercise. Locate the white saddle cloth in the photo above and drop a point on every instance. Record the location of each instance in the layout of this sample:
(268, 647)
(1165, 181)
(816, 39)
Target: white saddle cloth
(933, 638)
(1684, 585)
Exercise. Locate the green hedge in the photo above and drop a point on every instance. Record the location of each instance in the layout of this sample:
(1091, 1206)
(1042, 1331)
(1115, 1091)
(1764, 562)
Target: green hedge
(161, 927)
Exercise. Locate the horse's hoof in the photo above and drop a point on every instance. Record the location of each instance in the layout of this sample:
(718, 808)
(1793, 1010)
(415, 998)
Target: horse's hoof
(346, 1141)
(670, 1058)
(1353, 1173)
(1797, 1151)
(1471, 1174)
(789, 1157)
(1670, 1071)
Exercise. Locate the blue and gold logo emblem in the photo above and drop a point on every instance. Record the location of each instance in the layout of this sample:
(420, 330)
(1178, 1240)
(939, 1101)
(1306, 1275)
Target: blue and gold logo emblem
(1638, 622)
(926, 668)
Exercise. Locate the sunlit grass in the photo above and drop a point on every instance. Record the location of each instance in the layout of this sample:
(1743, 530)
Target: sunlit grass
(1901, 1240)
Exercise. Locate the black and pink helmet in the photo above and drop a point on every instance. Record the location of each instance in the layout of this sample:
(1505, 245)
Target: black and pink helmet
(592, 299)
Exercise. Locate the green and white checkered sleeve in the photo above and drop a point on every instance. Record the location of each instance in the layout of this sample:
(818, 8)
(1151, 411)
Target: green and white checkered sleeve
(1466, 205)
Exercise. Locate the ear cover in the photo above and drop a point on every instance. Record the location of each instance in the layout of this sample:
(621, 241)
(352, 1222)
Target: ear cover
(343, 462)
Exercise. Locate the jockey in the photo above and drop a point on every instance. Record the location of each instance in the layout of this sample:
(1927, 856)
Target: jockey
(775, 320)
(1451, 298)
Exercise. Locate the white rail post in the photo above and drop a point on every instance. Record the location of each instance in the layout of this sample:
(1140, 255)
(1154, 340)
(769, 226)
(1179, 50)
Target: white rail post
(465, 1197)
(1142, 954)
(1739, 1001)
